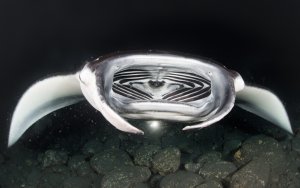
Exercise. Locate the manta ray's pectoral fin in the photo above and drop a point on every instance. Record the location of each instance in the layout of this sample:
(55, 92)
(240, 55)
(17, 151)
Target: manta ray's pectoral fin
(41, 99)
(264, 104)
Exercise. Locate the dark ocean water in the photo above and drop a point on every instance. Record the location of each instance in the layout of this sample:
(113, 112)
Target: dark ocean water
(260, 40)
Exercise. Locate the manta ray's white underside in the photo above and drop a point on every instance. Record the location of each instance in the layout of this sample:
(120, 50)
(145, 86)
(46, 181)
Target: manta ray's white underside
(56, 92)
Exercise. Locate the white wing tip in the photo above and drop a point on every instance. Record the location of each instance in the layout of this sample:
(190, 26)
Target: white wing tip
(265, 104)
(11, 140)
(40, 99)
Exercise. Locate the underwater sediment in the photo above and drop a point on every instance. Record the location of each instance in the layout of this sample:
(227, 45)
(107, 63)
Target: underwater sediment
(101, 156)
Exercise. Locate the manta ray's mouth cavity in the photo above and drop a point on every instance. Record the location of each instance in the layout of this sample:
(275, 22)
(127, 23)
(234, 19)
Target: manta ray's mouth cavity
(157, 83)
(162, 87)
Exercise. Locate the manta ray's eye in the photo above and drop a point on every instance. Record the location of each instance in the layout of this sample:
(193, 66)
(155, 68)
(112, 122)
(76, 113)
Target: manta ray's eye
(160, 84)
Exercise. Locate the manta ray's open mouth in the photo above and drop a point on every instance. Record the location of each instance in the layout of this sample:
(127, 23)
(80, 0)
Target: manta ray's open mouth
(160, 83)
(164, 87)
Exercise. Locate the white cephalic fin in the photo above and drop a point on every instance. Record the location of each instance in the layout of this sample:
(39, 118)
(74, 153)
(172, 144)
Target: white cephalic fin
(264, 104)
(203, 124)
(41, 99)
(218, 115)
(115, 119)
(95, 97)
(215, 118)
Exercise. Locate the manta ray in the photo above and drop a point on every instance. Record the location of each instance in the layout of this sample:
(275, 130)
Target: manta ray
(149, 86)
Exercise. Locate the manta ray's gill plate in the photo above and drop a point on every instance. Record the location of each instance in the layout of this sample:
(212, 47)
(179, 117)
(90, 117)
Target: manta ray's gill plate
(164, 87)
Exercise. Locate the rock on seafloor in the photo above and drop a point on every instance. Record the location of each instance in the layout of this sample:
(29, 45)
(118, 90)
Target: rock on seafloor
(181, 179)
(210, 184)
(109, 160)
(51, 180)
(84, 169)
(217, 170)
(92, 147)
(140, 185)
(296, 144)
(125, 177)
(75, 161)
(76, 182)
(155, 180)
(144, 155)
(268, 150)
(254, 174)
(192, 167)
(256, 147)
(79, 165)
(54, 157)
(166, 161)
(130, 146)
(231, 145)
(209, 157)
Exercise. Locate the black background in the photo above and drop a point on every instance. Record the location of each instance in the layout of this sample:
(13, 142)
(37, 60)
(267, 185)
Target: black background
(259, 39)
